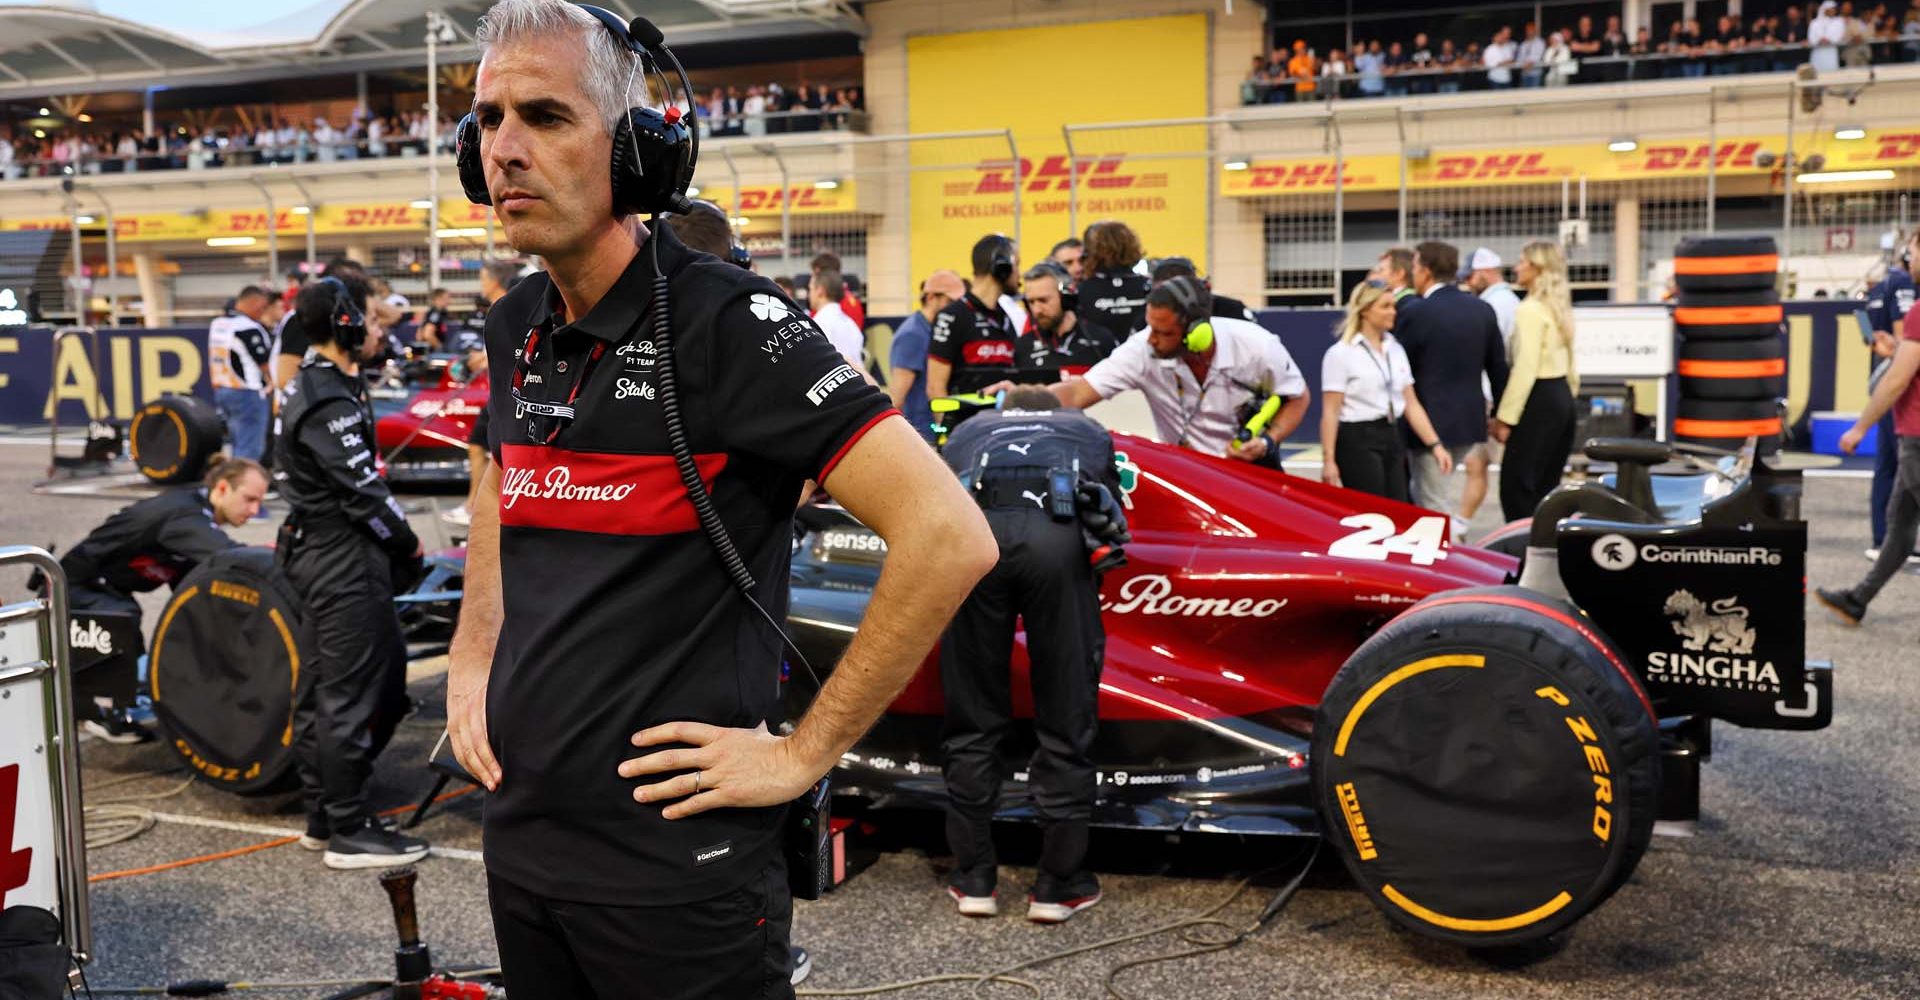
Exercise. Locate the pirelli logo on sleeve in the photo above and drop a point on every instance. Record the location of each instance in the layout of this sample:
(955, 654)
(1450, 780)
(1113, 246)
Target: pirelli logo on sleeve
(830, 381)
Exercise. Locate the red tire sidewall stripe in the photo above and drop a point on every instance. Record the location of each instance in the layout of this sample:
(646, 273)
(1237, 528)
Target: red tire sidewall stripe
(1639, 689)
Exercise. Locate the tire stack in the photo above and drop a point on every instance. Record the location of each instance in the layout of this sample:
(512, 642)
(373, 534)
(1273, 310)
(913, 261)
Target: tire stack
(1733, 352)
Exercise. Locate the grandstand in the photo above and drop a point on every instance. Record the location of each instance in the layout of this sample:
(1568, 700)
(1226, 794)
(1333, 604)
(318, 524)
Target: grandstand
(892, 161)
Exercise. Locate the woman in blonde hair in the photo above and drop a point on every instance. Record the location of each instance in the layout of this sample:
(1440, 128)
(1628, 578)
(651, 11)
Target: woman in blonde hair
(1536, 414)
(1366, 386)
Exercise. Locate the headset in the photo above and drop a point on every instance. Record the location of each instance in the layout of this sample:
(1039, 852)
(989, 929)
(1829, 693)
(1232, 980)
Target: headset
(1000, 264)
(1187, 292)
(654, 152)
(349, 319)
(1069, 291)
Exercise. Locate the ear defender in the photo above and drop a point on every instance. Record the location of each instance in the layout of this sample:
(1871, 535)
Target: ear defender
(1199, 336)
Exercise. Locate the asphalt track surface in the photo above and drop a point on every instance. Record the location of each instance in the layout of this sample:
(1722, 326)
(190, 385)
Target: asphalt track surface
(1804, 880)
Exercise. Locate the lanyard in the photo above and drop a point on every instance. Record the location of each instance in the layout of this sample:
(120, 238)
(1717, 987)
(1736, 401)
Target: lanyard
(1386, 379)
(561, 413)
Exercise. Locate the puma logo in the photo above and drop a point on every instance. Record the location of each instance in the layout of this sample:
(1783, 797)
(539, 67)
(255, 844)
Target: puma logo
(1039, 499)
(1021, 448)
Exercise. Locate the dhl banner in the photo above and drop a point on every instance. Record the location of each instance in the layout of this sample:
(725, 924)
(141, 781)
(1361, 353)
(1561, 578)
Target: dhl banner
(1728, 157)
(1034, 80)
(402, 216)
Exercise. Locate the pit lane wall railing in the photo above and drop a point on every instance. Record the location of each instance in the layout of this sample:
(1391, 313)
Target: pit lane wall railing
(1306, 197)
(43, 846)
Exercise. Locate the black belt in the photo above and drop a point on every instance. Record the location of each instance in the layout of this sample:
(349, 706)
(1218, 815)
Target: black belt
(1012, 491)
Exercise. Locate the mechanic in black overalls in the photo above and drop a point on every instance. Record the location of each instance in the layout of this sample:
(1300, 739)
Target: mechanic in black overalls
(347, 549)
(1052, 551)
(142, 546)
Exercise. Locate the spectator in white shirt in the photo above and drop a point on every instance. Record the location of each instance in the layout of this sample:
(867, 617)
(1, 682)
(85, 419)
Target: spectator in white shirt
(1559, 61)
(1826, 34)
(1487, 278)
(1366, 386)
(1499, 57)
(823, 300)
(1532, 56)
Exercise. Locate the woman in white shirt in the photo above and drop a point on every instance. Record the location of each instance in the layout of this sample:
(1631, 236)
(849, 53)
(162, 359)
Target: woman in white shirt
(1366, 386)
(1536, 413)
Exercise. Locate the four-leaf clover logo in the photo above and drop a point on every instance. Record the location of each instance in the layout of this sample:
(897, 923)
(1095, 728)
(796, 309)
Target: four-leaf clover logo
(768, 307)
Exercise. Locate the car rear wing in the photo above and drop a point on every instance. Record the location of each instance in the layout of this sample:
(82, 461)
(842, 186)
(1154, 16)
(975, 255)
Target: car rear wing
(43, 844)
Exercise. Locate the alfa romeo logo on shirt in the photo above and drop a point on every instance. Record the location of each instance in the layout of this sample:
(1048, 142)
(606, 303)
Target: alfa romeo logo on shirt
(768, 307)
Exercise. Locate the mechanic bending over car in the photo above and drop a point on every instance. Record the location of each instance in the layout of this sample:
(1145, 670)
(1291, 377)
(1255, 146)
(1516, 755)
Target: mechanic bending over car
(143, 545)
(1046, 479)
(1210, 381)
(1898, 393)
(347, 549)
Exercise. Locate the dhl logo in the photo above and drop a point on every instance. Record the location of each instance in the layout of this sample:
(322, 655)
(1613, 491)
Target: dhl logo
(1695, 157)
(1287, 177)
(1492, 166)
(1898, 146)
(1060, 173)
(766, 199)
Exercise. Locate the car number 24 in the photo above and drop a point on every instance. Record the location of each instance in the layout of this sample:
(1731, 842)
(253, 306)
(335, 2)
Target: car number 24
(1375, 537)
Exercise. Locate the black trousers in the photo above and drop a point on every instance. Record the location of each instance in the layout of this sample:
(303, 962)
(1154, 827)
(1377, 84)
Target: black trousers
(353, 690)
(1372, 459)
(1043, 577)
(1537, 448)
(734, 946)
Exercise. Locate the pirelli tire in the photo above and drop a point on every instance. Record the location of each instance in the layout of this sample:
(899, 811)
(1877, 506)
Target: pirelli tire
(225, 662)
(1726, 263)
(1487, 767)
(1727, 423)
(1741, 315)
(1733, 369)
(173, 438)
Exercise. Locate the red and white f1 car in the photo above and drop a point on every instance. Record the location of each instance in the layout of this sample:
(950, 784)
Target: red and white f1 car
(1487, 750)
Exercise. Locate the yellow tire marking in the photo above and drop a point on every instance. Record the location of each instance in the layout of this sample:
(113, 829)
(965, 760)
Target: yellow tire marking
(293, 653)
(1380, 687)
(160, 636)
(1535, 915)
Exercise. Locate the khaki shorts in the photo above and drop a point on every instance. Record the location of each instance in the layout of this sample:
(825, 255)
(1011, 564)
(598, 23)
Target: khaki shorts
(1489, 451)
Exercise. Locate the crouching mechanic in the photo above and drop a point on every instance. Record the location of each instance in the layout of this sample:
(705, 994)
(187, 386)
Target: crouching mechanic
(347, 549)
(142, 546)
(1219, 386)
(1047, 481)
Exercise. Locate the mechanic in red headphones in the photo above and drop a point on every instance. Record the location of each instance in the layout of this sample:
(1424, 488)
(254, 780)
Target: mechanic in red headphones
(1204, 378)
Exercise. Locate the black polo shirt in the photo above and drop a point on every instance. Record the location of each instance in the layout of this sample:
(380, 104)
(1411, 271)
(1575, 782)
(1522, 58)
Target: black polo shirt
(1071, 353)
(1115, 301)
(977, 339)
(618, 615)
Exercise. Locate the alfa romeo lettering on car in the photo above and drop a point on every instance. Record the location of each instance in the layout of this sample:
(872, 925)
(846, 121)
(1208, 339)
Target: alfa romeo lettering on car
(1153, 595)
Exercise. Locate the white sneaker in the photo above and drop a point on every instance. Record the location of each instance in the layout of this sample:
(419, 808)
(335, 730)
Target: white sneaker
(974, 906)
(1060, 912)
(1873, 555)
(459, 516)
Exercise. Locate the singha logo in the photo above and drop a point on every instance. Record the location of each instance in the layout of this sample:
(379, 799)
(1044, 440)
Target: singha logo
(1721, 628)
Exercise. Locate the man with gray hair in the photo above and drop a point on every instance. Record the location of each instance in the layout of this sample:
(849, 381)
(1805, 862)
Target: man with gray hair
(612, 684)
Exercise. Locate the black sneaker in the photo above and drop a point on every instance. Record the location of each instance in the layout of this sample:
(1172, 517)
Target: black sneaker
(802, 966)
(1842, 603)
(1055, 901)
(113, 726)
(373, 846)
(973, 895)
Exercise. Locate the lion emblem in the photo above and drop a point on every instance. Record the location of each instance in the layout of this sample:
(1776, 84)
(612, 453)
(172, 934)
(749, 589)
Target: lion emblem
(1720, 628)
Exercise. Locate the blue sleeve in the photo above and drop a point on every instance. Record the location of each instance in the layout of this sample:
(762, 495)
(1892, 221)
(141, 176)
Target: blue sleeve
(909, 349)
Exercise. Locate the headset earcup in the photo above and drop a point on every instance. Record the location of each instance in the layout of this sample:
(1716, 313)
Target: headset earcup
(625, 171)
(466, 156)
(1200, 336)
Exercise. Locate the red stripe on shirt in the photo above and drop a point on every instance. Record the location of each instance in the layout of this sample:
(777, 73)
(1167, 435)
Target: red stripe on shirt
(597, 492)
(853, 439)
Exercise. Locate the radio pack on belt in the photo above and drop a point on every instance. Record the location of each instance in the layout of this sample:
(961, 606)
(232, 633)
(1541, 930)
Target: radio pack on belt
(1030, 444)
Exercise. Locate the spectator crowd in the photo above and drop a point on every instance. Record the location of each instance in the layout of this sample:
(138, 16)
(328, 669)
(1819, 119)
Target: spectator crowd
(1829, 34)
(757, 110)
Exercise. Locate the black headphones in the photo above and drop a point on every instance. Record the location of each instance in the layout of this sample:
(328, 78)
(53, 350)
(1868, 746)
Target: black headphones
(1194, 312)
(348, 319)
(654, 152)
(1069, 291)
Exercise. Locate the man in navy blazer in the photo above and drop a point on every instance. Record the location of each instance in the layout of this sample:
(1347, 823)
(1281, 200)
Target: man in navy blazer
(1451, 338)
